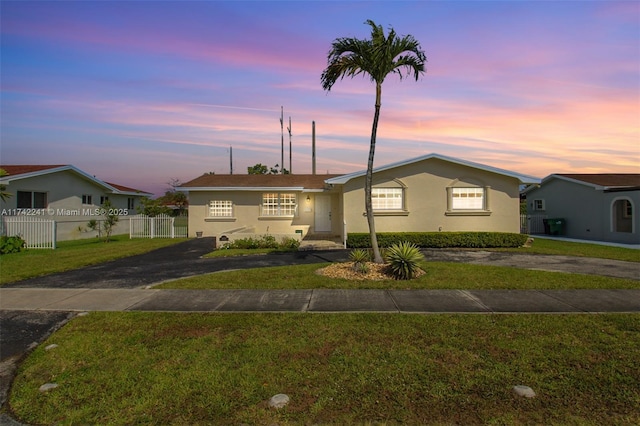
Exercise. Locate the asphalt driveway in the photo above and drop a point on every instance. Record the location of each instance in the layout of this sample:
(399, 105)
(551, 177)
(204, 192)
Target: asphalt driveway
(168, 263)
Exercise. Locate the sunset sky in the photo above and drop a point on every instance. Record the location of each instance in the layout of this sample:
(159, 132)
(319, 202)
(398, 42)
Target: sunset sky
(139, 93)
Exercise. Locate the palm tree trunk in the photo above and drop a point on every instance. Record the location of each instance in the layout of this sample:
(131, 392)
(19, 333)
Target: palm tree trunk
(377, 258)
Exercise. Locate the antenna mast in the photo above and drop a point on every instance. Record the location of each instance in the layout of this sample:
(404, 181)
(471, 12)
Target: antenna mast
(230, 160)
(282, 139)
(289, 130)
(313, 147)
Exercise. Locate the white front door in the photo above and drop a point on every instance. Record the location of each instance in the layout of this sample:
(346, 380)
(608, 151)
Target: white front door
(322, 215)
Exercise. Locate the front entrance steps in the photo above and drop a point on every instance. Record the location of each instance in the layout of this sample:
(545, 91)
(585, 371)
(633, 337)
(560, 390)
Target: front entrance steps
(321, 242)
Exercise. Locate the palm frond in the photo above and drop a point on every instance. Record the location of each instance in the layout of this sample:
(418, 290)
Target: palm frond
(378, 57)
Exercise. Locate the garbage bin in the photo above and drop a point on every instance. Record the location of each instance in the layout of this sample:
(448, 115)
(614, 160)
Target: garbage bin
(557, 226)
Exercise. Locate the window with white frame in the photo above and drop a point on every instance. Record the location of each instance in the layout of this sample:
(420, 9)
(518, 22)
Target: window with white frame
(467, 198)
(220, 208)
(278, 204)
(131, 202)
(386, 198)
(87, 199)
(538, 204)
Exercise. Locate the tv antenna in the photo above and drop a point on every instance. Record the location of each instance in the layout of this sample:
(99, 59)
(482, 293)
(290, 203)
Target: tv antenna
(289, 130)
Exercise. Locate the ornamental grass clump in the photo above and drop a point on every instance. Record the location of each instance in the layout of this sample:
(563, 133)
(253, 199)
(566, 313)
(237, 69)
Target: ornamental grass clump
(403, 259)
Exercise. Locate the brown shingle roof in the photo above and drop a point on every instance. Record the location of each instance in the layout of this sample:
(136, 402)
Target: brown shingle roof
(258, 181)
(618, 180)
(13, 170)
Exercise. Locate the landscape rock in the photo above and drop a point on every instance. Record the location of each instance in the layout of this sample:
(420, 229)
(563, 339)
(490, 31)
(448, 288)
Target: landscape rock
(524, 391)
(52, 346)
(278, 401)
(47, 387)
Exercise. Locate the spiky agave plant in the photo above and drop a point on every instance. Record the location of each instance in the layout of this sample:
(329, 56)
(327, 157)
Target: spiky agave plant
(360, 257)
(403, 260)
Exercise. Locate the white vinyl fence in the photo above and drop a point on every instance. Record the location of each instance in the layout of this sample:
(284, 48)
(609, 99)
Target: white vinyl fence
(37, 232)
(161, 226)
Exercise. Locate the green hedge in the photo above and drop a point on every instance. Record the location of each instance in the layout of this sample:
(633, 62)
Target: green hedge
(440, 239)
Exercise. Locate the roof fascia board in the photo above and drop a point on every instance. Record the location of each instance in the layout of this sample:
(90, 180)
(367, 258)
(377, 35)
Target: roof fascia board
(133, 193)
(240, 188)
(524, 179)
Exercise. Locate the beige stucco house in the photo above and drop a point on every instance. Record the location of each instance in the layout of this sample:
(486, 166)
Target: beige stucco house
(429, 193)
(600, 207)
(66, 195)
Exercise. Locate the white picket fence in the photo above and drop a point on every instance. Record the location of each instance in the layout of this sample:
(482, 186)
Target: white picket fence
(37, 232)
(162, 226)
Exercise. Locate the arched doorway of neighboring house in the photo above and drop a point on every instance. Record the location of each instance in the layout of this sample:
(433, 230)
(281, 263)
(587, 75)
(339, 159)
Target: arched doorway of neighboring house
(622, 212)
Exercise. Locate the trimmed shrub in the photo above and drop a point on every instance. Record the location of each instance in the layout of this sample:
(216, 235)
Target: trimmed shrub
(263, 242)
(403, 259)
(289, 243)
(441, 239)
(13, 244)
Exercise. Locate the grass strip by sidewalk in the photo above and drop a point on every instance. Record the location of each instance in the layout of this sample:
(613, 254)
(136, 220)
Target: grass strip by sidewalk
(168, 368)
(439, 275)
(569, 248)
(73, 255)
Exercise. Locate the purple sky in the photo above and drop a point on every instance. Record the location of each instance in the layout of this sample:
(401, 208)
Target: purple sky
(138, 93)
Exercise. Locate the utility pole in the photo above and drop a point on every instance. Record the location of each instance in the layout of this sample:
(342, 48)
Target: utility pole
(282, 139)
(313, 147)
(289, 130)
(230, 160)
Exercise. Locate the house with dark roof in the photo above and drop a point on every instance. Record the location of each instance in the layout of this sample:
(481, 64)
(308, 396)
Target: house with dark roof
(428, 193)
(67, 195)
(600, 207)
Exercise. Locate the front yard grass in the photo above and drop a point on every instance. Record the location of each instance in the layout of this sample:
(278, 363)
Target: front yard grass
(569, 248)
(73, 255)
(197, 369)
(439, 275)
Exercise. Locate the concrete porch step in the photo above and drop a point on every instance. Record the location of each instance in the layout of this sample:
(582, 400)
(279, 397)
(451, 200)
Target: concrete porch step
(313, 244)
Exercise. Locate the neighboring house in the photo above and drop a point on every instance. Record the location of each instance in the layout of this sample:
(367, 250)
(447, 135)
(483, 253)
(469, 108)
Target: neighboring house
(428, 193)
(601, 207)
(67, 195)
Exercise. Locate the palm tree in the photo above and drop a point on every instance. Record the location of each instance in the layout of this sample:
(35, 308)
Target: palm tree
(378, 57)
(4, 195)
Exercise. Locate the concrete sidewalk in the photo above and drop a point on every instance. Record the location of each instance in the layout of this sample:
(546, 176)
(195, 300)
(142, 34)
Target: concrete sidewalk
(321, 300)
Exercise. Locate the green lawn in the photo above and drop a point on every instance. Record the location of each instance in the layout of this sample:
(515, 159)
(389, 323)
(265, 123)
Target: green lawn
(439, 275)
(73, 255)
(201, 369)
(565, 248)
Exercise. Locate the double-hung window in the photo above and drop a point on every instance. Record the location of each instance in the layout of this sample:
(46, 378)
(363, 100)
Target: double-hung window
(386, 198)
(278, 204)
(220, 208)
